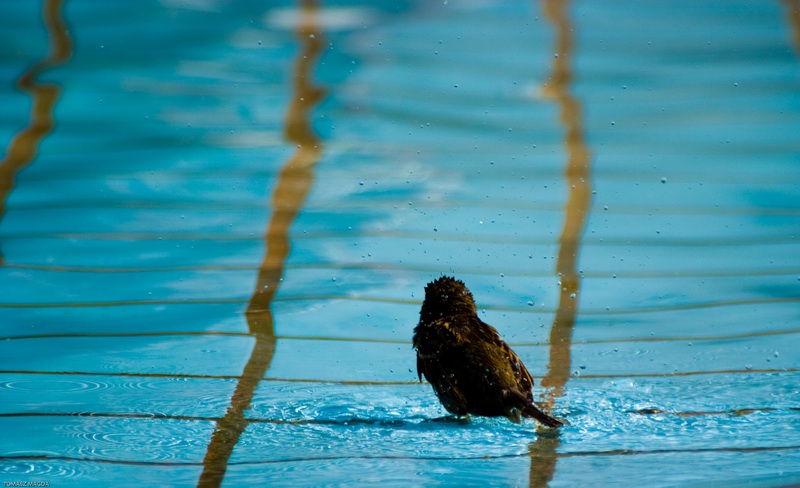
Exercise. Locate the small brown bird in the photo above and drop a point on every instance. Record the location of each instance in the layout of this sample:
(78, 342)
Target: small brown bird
(471, 368)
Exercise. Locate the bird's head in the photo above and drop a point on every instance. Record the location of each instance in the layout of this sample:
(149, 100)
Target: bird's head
(446, 296)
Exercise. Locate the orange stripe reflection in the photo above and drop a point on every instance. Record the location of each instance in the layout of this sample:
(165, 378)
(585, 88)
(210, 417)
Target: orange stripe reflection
(793, 16)
(577, 174)
(293, 184)
(23, 147)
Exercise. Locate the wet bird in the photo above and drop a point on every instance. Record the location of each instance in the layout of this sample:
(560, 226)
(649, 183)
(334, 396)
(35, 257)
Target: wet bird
(471, 368)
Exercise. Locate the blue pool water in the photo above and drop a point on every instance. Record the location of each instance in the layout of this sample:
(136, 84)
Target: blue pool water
(217, 220)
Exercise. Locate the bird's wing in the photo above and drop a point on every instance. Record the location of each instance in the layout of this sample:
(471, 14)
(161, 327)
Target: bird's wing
(524, 379)
(523, 376)
(428, 340)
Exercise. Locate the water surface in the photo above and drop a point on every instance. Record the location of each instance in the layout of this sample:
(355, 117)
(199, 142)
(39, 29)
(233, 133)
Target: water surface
(217, 220)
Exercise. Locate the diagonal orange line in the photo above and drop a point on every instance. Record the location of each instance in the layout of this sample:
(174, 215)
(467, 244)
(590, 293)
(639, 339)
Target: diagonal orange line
(24, 146)
(793, 17)
(577, 173)
(294, 182)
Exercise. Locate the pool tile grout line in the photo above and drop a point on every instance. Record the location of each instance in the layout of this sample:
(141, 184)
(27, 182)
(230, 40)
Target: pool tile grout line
(398, 383)
(373, 265)
(395, 341)
(615, 452)
(400, 301)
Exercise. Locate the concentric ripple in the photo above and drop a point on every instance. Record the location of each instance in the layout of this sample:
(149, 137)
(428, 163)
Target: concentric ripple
(125, 439)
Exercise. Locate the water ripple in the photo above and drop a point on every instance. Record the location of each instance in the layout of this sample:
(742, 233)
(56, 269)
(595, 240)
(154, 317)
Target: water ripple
(140, 440)
(31, 470)
(54, 385)
(165, 396)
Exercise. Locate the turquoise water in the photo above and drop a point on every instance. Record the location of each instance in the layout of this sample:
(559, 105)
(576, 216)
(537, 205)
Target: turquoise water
(218, 218)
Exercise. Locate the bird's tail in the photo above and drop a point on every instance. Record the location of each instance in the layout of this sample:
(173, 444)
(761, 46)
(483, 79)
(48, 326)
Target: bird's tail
(529, 409)
(533, 411)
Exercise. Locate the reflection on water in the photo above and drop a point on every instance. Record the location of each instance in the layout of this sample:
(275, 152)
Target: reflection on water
(793, 15)
(577, 176)
(293, 184)
(133, 344)
(22, 149)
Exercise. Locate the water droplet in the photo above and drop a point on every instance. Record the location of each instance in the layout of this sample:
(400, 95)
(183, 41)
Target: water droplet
(663, 180)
